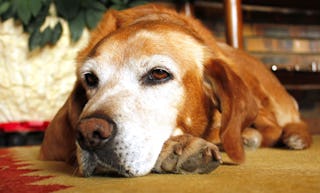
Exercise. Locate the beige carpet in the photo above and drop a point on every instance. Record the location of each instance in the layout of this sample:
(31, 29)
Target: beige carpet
(266, 170)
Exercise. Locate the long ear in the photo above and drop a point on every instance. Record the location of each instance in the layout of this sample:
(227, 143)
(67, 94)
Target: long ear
(59, 140)
(236, 103)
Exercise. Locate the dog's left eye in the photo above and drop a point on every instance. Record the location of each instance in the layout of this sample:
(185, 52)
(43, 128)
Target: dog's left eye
(157, 76)
(91, 79)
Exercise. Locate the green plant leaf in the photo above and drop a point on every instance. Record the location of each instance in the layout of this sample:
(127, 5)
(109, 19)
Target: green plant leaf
(37, 21)
(34, 6)
(4, 7)
(46, 36)
(117, 1)
(78, 13)
(68, 9)
(10, 13)
(86, 3)
(34, 40)
(76, 26)
(118, 6)
(97, 6)
(57, 31)
(136, 3)
(23, 10)
(104, 1)
(92, 17)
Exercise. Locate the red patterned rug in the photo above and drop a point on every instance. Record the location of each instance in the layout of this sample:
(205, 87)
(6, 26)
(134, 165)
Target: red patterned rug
(14, 178)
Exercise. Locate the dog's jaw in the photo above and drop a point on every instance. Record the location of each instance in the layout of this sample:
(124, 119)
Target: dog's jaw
(86, 162)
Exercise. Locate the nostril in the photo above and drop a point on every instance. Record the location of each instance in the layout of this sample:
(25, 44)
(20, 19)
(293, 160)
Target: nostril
(93, 142)
(80, 137)
(97, 135)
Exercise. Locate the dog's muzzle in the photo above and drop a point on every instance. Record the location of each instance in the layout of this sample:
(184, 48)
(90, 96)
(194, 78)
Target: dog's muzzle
(95, 139)
(106, 147)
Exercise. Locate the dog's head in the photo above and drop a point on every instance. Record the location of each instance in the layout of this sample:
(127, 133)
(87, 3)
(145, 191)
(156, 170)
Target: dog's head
(138, 83)
(146, 75)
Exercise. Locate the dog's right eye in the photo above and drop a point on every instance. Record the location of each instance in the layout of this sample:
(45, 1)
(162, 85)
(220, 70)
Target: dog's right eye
(157, 76)
(91, 79)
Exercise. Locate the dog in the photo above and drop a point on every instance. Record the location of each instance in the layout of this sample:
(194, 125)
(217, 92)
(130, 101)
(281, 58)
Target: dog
(156, 92)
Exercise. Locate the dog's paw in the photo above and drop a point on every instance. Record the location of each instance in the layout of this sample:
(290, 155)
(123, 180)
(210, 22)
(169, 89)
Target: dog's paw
(296, 141)
(187, 154)
(296, 136)
(252, 138)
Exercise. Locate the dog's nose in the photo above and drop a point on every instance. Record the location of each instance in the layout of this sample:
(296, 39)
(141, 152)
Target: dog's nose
(93, 133)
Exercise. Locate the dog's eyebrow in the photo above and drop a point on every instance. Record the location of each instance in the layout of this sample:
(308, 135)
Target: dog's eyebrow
(93, 52)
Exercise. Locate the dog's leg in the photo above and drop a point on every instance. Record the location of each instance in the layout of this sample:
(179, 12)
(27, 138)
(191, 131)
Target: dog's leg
(296, 136)
(187, 154)
(251, 137)
(267, 125)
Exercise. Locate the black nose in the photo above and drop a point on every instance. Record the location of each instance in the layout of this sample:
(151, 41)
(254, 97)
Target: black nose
(93, 133)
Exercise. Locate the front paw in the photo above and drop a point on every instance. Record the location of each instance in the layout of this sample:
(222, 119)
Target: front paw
(187, 154)
(252, 138)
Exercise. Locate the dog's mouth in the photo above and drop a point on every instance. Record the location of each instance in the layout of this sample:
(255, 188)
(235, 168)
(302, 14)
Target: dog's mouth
(113, 160)
(91, 164)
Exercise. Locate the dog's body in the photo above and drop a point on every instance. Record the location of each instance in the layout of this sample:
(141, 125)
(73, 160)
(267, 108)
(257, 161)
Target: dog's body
(154, 88)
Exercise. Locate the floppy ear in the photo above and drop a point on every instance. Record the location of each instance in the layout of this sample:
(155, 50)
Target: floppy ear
(236, 103)
(59, 140)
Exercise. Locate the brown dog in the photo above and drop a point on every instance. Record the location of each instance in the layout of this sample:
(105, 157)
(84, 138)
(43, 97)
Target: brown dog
(154, 90)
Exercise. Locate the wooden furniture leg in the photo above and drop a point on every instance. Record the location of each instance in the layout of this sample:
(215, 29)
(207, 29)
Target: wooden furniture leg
(233, 16)
(187, 8)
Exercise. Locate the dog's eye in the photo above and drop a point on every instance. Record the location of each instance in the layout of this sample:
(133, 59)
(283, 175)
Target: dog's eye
(157, 76)
(91, 79)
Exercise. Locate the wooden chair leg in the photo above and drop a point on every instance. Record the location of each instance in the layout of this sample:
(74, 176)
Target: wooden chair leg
(186, 8)
(233, 15)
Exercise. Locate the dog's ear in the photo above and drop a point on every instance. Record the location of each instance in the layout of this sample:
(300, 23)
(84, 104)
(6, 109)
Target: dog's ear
(59, 140)
(236, 104)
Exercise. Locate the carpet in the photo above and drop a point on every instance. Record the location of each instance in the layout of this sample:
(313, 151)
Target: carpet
(265, 170)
